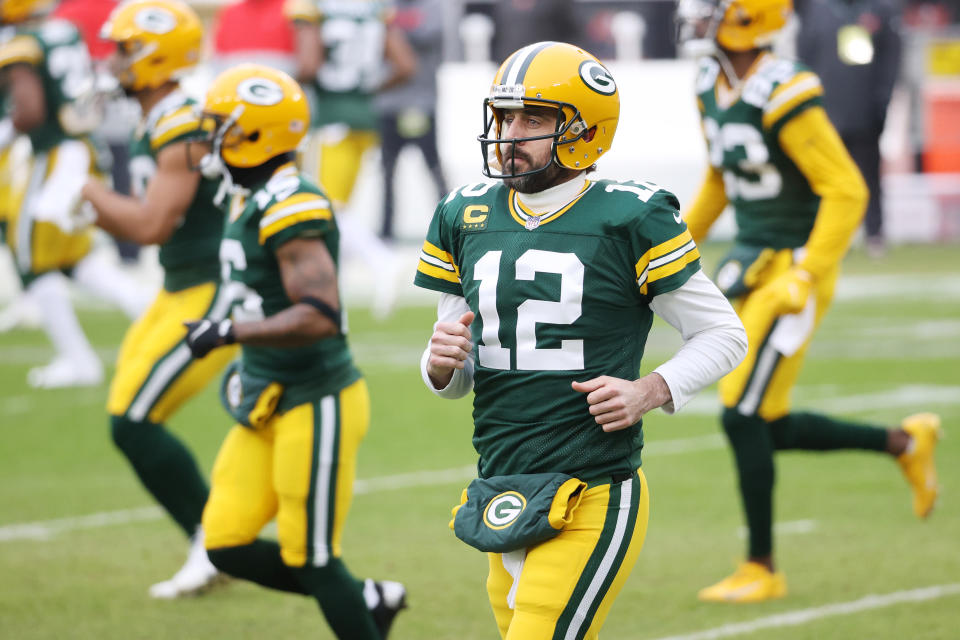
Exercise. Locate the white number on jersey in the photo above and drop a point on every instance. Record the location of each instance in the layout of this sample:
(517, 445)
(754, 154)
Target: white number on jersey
(531, 312)
(355, 56)
(248, 305)
(731, 136)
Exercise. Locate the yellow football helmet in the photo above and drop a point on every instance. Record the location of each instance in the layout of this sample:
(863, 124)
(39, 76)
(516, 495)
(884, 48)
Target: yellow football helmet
(567, 78)
(735, 25)
(15, 11)
(257, 112)
(156, 40)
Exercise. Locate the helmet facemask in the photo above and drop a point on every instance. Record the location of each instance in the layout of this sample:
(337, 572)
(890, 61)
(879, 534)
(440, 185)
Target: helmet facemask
(697, 22)
(498, 150)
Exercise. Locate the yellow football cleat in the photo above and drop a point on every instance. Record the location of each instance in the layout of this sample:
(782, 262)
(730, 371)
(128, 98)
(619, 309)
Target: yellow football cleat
(918, 464)
(751, 582)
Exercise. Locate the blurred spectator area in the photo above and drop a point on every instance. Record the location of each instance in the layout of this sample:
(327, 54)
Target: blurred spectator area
(659, 138)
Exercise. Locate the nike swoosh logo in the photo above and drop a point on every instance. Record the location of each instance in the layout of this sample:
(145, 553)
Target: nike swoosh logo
(677, 217)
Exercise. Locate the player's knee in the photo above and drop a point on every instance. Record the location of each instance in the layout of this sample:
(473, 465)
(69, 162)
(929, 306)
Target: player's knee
(123, 430)
(229, 560)
(735, 423)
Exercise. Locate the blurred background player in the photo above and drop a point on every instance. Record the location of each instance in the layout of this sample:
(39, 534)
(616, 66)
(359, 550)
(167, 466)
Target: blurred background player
(173, 206)
(408, 112)
(301, 406)
(120, 116)
(798, 199)
(854, 47)
(346, 52)
(49, 86)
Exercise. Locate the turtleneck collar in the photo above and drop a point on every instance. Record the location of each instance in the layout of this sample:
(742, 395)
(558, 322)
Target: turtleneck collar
(557, 196)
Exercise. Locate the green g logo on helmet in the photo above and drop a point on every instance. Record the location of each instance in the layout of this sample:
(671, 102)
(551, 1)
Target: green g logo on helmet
(260, 91)
(596, 76)
(504, 509)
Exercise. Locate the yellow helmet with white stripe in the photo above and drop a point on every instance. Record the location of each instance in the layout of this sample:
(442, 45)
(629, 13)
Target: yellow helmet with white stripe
(258, 112)
(560, 76)
(156, 41)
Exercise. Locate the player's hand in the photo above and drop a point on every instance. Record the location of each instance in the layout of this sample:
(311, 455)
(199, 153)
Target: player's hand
(203, 336)
(450, 346)
(616, 403)
(788, 292)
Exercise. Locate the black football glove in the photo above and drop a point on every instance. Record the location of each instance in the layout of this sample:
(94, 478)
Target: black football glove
(203, 336)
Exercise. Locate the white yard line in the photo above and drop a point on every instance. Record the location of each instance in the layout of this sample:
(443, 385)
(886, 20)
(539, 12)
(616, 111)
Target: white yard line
(46, 529)
(804, 616)
(916, 397)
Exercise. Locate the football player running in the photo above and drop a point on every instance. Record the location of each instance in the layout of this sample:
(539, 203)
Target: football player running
(300, 404)
(172, 206)
(346, 52)
(798, 199)
(549, 282)
(48, 85)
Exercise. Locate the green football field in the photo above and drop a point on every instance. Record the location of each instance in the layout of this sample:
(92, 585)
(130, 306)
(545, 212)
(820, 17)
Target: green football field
(80, 540)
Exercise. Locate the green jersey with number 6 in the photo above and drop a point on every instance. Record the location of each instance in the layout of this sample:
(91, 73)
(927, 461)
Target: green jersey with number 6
(558, 298)
(286, 207)
(772, 200)
(189, 256)
(57, 53)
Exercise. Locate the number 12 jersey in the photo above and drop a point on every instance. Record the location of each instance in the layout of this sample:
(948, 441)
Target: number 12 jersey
(558, 297)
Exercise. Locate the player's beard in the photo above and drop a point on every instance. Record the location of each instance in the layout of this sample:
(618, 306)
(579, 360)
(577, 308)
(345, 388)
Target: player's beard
(539, 181)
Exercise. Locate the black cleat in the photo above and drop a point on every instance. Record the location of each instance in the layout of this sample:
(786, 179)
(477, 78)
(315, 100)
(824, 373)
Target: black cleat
(390, 598)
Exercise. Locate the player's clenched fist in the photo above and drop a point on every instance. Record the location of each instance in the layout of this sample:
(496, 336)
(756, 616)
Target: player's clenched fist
(616, 403)
(450, 346)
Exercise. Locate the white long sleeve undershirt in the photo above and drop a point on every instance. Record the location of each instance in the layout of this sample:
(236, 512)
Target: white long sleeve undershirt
(714, 341)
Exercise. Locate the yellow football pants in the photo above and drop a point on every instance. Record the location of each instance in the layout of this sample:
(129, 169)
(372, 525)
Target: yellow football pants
(340, 159)
(564, 587)
(300, 468)
(762, 383)
(155, 371)
(37, 246)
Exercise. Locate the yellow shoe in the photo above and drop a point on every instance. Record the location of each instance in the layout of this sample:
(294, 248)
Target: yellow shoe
(918, 464)
(751, 582)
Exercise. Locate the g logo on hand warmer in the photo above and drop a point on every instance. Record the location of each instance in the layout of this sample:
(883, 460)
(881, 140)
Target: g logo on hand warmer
(504, 509)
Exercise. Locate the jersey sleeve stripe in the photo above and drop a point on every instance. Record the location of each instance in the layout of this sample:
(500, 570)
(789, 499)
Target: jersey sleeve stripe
(170, 129)
(21, 49)
(288, 208)
(679, 259)
(291, 219)
(437, 262)
(787, 97)
(433, 250)
(670, 245)
(428, 269)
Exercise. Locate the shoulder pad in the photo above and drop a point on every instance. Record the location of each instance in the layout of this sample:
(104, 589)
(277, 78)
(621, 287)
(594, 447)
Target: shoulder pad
(707, 71)
(772, 73)
(57, 32)
(21, 48)
(478, 190)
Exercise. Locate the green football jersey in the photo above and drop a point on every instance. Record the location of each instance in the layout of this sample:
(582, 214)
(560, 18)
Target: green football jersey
(772, 201)
(190, 256)
(353, 36)
(58, 54)
(287, 206)
(557, 298)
